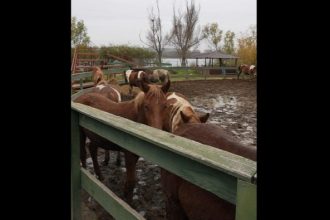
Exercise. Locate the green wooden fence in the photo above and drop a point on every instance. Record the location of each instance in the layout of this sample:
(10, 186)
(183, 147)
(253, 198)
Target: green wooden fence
(227, 175)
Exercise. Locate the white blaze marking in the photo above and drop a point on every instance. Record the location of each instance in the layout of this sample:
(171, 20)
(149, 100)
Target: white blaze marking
(118, 94)
(100, 87)
(181, 104)
(128, 73)
(251, 67)
(139, 74)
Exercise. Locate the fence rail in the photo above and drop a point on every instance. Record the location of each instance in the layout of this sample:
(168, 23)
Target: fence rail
(227, 175)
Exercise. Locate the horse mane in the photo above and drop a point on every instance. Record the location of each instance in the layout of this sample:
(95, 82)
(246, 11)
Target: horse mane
(138, 100)
(102, 82)
(96, 68)
(113, 81)
(155, 91)
(180, 105)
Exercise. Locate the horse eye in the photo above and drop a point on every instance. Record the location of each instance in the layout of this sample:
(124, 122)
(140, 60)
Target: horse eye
(146, 107)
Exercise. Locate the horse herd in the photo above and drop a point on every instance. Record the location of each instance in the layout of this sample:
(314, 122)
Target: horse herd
(171, 112)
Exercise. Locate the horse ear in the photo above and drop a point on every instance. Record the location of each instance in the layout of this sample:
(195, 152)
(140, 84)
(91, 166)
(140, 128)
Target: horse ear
(204, 117)
(170, 101)
(184, 117)
(144, 86)
(166, 86)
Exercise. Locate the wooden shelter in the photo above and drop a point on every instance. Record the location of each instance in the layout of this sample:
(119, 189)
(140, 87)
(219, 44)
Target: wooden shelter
(214, 55)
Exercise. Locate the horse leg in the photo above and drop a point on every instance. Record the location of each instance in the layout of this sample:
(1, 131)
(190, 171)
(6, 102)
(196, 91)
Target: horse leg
(106, 158)
(82, 148)
(170, 185)
(93, 151)
(130, 163)
(118, 161)
(198, 202)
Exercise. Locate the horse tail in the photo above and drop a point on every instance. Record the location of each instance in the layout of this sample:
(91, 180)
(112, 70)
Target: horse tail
(125, 77)
(239, 68)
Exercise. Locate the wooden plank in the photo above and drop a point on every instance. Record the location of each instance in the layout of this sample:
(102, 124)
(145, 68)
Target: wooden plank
(246, 207)
(82, 86)
(236, 165)
(79, 76)
(118, 70)
(212, 169)
(75, 167)
(106, 198)
(215, 181)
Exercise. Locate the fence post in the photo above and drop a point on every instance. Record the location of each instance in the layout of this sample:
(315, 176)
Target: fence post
(246, 202)
(75, 167)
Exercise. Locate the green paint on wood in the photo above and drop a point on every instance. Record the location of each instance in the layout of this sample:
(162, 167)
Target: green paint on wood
(118, 70)
(79, 76)
(106, 198)
(232, 164)
(246, 206)
(212, 169)
(213, 180)
(75, 167)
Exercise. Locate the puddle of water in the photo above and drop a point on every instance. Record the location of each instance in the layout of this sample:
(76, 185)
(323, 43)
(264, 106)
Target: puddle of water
(224, 104)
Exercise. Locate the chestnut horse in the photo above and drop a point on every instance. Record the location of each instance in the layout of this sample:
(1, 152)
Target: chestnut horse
(195, 202)
(247, 70)
(185, 200)
(147, 107)
(177, 102)
(135, 78)
(110, 91)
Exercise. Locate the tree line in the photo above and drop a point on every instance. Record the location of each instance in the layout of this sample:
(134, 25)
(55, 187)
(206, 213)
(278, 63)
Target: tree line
(184, 35)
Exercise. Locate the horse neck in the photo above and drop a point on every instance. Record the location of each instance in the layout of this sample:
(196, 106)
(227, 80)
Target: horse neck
(124, 109)
(102, 82)
(217, 137)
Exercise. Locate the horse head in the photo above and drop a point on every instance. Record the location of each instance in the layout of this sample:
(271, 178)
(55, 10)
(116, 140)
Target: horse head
(154, 103)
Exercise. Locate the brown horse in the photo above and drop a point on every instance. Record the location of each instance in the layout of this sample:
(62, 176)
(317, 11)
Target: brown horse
(176, 103)
(110, 91)
(183, 199)
(135, 78)
(247, 70)
(188, 201)
(147, 108)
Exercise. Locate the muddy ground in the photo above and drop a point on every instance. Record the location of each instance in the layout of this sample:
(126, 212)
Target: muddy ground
(231, 104)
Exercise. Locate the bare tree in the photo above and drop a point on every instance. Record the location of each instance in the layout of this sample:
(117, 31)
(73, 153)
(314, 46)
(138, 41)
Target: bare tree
(184, 34)
(154, 38)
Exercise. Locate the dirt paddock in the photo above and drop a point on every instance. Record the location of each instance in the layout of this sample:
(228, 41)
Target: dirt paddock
(231, 104)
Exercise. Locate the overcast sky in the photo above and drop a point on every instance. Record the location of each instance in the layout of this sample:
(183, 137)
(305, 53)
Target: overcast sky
(121, 21)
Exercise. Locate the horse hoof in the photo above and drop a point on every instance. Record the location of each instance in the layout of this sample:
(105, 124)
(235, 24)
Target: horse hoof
(101, 178)
(105, 163)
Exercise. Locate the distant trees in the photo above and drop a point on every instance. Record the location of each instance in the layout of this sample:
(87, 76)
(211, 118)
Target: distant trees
(247, 46)
(213, 35)
(229, 46)
(184, 33)
(128, 52)
(79, 34)
(155, 38)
